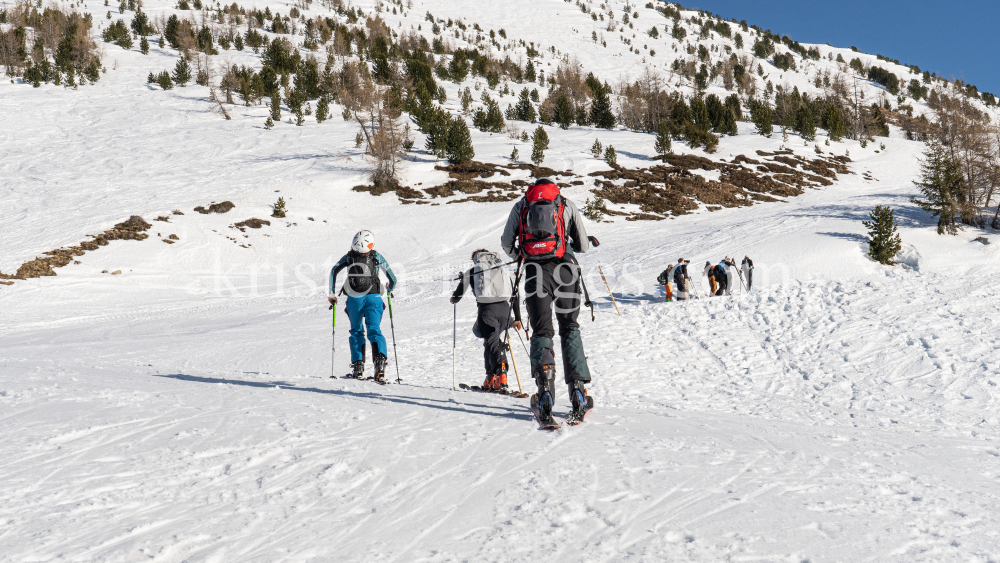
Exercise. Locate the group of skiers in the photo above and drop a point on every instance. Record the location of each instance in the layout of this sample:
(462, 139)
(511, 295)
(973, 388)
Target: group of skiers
(544, 231)
(720, 278)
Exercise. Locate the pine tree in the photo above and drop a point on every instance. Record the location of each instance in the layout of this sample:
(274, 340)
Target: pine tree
(834, 123)
(459, 142)
(514, 155)
(760, 113)
(728, 125)
(322, 109)
(883, 241)
(563, 111)
(144, 46)
(611, 157)
(804, 123)
(941, 184)
(182, 72)
(539, 142)
(662, 145)
(699, 114)
(596, 149)
(601, 114)
(529, 71)
(680, 115)
(275, 107)
(269, 123)
(164, 80)
(523, 110)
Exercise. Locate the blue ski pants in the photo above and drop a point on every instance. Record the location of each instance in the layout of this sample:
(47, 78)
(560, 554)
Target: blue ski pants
(369, 309)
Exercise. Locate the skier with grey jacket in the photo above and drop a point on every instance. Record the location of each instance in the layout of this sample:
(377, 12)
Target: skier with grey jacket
(544, 231)
(492, 287)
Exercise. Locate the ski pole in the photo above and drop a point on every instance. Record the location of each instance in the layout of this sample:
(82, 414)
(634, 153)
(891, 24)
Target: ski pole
(514, 362)
(333, 348)
(454, 332)
(392, 326)
(609, 290)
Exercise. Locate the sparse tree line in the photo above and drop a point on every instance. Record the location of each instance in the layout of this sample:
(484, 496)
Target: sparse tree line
(49, 46)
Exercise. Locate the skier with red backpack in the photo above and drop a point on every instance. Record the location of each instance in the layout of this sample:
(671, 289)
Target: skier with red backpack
(544, 231)
(364, 301)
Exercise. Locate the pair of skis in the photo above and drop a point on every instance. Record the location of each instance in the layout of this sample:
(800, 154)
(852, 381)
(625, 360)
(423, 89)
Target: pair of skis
(379, 380)
(506, 393)
(551, 424)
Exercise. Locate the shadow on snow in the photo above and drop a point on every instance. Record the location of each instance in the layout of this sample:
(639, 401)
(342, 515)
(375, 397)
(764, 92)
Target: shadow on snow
(516, 414)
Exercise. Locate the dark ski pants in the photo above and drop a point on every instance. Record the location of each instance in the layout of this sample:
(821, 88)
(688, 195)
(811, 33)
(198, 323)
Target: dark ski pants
(723, 285)
(555, 284)
(493, 319)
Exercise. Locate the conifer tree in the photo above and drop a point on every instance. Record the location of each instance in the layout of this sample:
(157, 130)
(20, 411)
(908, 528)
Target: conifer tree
(834, 123)
(459, 142)
(539, 142)
(164, 80)
(883, 240)
(514, 155)
(144, 45)
(733, 103)
(699, 114)
(680, 115)
(596, 149)
(611, 157)
(322, 109)
(728, 125)
(563, 111)
(760, 113)
(804, 123)
(601, 114)
(182, 72)
(523, 110)
(275, 107)
(269, 123)
(941, 183)
(662, 145)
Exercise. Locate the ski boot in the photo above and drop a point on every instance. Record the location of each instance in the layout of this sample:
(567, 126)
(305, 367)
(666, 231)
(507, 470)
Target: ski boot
(380, 362)
(582, 403)
(490, 383)
(358, 368)
(541, 402)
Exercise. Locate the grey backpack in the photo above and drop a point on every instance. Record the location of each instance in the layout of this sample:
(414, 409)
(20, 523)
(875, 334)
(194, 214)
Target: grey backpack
(490, 282)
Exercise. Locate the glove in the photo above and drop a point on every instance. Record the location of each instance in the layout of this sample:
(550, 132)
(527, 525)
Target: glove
(594, 241)
(453, 300)
(332, 299)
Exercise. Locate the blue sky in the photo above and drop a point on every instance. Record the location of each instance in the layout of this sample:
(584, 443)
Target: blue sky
(954, 38)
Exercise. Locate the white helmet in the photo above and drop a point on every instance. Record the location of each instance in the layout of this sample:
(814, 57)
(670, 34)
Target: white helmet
(363, 242)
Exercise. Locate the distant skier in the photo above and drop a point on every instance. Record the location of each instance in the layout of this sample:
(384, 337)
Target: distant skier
(747, 267)
(492, 287)
(364, 301)
(709, 272)
(664, 280)
(730, 266)
(680, 279)
(721, 274)
(544, 230)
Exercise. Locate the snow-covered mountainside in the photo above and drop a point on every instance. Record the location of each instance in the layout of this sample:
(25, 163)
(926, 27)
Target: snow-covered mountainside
(181, 408)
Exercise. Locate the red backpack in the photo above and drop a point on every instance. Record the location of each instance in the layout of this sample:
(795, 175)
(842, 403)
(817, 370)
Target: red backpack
(543, 231)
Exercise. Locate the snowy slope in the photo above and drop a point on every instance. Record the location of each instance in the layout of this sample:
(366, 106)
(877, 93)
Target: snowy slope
(182, 411)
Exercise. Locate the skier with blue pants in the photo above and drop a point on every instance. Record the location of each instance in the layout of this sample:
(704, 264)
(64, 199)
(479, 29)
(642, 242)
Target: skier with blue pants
(364, 301)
